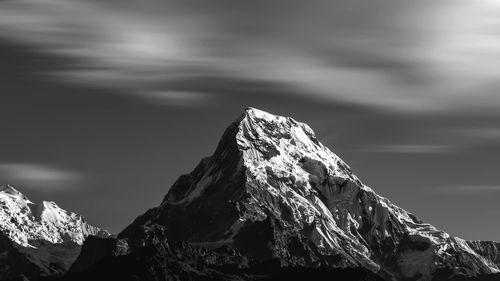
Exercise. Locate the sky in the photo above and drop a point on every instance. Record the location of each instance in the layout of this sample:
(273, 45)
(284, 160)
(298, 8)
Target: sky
(104, 104)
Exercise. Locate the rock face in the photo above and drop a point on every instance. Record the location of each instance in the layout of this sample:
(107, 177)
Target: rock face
(275, 194)
(147, 255)
(38, 239)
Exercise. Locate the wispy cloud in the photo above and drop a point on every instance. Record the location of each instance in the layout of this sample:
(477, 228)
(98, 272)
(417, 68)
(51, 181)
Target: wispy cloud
(410, 149)
(328, 138)
(488, 133)
(109, 48)
(469, 189)
(38, 176)
(181, 98)
(468, 135)
(407, 55)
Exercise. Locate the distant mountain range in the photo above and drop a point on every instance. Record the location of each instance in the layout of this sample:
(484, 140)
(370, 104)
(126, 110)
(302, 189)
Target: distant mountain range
(271, 203)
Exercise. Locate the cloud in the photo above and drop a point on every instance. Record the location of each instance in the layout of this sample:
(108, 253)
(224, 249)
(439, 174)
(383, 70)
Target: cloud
(45, 177)
(98, 35)
(469, 135)
(487, 133)
(469, 189)
(410, 149)
(328, 138)
(106, 48)
(415, 56)
(181, 98)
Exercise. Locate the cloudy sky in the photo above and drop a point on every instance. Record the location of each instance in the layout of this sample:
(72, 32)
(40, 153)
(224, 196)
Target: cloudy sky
(105, 103)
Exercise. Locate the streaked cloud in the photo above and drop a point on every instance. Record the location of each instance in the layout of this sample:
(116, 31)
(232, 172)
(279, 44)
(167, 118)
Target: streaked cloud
(181, 98)
(102, 37)
(38, 176)
(491, 133)
(410, 149)
(108, 48)
(417, 56)
(469, 135)
(328, 138)
(469, 189)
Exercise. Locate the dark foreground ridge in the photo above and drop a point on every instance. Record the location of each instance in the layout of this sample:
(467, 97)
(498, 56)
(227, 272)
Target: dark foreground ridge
(182, 261)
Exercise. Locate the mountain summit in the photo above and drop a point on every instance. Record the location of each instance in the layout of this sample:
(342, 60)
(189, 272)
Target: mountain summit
(273, 193)
(38, 239)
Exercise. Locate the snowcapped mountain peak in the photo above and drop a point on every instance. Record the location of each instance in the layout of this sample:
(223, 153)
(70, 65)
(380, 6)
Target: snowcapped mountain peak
(51, 213)
(36, 230)
(27, 223)
(254, 116)
(254, 113)
(273, 185)
(8, 190)
(271, 136)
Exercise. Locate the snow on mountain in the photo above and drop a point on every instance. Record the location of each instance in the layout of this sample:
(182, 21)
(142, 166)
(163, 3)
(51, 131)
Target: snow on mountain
(46, 235)
(272, 191)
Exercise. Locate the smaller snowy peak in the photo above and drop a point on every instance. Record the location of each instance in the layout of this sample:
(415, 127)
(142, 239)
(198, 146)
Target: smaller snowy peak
(50, 212)
(50, 204)
(29, 224)
(43, 234)
(8, 190)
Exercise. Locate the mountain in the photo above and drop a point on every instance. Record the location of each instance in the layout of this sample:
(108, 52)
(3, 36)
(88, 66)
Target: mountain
(38, 239)
(279, 199)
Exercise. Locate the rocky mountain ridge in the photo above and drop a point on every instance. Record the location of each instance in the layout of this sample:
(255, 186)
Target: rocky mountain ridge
(271, 203)
(273, 193)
